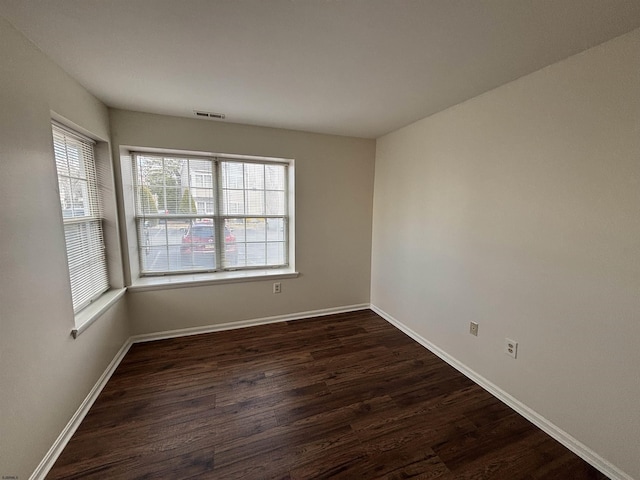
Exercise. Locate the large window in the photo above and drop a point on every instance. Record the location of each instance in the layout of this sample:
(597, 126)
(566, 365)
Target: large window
(207, 214)
(82, 215)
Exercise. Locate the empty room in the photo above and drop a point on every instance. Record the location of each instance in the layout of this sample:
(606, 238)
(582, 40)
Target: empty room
(304, 239)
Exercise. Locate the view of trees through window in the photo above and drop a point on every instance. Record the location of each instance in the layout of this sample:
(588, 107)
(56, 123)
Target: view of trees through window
(207, 214)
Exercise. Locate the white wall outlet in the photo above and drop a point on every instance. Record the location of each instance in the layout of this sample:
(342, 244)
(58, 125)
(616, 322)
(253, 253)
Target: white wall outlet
(511, 347)
(473, 328)
(277, 288)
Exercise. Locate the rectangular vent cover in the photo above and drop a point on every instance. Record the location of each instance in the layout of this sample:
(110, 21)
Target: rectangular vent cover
(201, 114)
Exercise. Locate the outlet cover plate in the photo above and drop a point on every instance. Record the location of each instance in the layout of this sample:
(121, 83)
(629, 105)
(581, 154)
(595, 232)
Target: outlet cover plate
(511, 347)
(473, 328)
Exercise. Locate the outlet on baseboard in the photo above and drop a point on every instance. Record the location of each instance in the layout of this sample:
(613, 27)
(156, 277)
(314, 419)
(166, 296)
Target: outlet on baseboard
(473, 328)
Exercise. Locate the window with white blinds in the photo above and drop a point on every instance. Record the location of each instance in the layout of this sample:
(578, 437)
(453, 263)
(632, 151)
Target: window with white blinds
(81, 214)
(209, 214)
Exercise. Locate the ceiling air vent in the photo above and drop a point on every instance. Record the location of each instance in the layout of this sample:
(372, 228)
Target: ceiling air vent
(201, 114)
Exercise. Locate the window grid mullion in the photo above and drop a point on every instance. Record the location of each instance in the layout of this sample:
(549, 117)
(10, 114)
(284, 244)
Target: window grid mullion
(165, 207)
(264, 212)
(218, 223)
(285, 227)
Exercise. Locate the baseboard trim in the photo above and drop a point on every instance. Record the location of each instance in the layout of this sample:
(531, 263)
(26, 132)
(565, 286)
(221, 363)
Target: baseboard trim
(54, 452)
(577, 447)
(183, 332)
(56, 449)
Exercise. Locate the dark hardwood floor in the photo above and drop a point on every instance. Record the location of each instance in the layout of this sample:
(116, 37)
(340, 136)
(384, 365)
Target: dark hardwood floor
(343, 396)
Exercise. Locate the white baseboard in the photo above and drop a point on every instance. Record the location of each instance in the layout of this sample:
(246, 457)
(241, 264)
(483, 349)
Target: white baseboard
(183, 332)
(56, 449)
(584, 452)
(58, 446)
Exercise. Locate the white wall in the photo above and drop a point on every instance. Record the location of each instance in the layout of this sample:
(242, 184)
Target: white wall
(44, 373)
(334, 202)
(520, 209)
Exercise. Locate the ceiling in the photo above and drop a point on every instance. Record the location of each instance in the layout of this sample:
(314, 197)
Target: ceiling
(349, 67)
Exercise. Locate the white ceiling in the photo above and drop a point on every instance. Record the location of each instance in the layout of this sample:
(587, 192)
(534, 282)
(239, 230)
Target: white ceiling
(347, 67)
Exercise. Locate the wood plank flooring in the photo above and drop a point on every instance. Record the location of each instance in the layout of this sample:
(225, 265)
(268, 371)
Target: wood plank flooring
(342, 396)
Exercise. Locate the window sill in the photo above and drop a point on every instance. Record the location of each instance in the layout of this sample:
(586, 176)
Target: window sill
(201, 279)
(93, 311)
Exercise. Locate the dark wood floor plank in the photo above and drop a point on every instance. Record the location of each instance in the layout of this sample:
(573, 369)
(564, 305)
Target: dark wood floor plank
(341, 396)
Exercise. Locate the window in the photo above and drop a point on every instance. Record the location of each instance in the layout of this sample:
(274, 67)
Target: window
(201, 179)
(210, 214)
(81, 214)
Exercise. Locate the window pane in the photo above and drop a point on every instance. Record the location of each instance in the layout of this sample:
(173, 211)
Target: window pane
(172, 197)
(60, 151)
(233, 202)
(187, 203)
(232, 175)
(175, 245)
(256, 241)
(154, 259)
(237, 228)
(80, 198)
(230, 253)
(64, 185)
(74, 159)
(152, 244)
(256, 254)
(87, 267)
(149, 172)
(255, 203)
(254, 176)
(275, 203)
(236, 233)
(275, 229)
(274, 177)
(199, 188)
(159, 185)
(197, 247)
(276, 253)
(256, 229)
(78, 186)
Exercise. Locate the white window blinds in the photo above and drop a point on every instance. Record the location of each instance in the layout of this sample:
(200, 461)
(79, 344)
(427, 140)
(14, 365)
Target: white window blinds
(82, 216)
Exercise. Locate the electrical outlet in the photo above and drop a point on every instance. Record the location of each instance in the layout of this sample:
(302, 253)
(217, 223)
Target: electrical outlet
(277, 288)
(511, 348)
(473, 328)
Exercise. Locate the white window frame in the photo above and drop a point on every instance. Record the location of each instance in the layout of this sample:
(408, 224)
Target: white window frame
(139, 282)
(84, 238)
